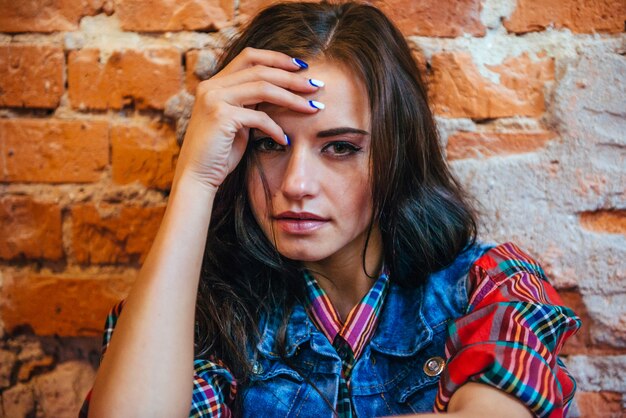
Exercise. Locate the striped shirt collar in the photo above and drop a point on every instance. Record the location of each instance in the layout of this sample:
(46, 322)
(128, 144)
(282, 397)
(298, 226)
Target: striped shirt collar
(361, 321)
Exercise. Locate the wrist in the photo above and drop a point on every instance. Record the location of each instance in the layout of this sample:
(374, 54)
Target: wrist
(193, 185)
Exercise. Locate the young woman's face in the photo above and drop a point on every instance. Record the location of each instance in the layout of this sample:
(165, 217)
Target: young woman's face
(321, 201)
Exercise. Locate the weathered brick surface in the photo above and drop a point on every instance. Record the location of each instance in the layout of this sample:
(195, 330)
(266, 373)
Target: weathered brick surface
(18, 401)
(60, 393)
(533, 127)
(200, 65)
(7, 362)
(607, 221)
(29, 229)
(421, 17)
(144, 154)
(248, 8)
(52, 150)
(459, 90)
(487, 144)
(435, 18)
(599, 373)
(600, 404)
(576, 15)
(145, 79)
(174, 15)
(62, 305)
(32, 75)
(123, 234)
(45, 16)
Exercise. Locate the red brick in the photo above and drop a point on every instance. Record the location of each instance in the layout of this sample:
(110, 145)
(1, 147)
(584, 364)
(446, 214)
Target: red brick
(605, 221)
(581, 16)
(583, 342)
(28, 367)
(144, 154)
(143, 78)
(457, 89)
(248, 8)
(63, 305)
(120, 234)
(420, 17)
(167, 15)
(487, 144)
(29, 229)
(600, 404)
(435, 17)
(32, 75)
(45, 16)
(52, 150)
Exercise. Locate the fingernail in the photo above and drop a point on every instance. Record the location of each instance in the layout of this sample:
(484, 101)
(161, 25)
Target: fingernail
(317, 105)
(300, 63)
(287, 139)
(316, 83)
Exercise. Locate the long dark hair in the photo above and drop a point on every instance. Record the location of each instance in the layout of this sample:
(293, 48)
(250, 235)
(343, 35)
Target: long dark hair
(423, 215)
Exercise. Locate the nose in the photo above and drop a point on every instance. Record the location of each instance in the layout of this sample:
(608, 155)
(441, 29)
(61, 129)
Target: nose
(301, 175)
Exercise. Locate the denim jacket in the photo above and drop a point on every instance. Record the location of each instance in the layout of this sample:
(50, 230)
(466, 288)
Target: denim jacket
(398, 371)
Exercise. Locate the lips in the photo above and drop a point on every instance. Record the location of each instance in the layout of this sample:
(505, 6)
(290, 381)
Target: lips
(300, 222)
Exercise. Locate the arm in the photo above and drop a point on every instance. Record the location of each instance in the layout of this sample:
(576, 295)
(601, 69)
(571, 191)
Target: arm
(480, 401)
(153, 340)
(509, 339)
(148, 366)
(474, 400)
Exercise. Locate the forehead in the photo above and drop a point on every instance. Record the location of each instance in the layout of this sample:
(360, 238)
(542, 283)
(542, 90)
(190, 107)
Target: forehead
(344, 95)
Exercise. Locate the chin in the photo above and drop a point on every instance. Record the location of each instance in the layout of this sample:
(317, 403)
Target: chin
(299, 254)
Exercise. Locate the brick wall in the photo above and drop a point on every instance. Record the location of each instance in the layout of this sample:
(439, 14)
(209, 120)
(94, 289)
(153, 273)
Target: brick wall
(530, 96)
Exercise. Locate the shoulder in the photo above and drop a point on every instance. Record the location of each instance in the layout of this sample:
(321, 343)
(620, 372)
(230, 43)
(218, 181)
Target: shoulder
(507, 272)
(507, 260)
(445, 292)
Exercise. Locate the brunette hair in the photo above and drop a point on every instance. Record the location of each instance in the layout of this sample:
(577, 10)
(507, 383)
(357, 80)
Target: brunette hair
(421, 210)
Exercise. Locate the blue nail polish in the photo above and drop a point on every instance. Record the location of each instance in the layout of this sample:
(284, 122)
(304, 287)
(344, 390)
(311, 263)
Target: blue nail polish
(316, 83)
(317, 105)
(287, 139)
(300, 63)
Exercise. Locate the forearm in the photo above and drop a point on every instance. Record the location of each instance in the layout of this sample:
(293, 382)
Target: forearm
(148, 367)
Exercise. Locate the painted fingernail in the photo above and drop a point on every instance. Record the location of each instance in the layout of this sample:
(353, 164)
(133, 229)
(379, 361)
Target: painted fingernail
(287, 139)
(300, 63)
(317, 105)
(316, 83)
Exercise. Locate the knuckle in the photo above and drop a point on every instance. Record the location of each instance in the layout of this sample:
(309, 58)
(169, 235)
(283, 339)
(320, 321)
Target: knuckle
(265, 87)
(247, 52)
(217, 109)
(261, 71)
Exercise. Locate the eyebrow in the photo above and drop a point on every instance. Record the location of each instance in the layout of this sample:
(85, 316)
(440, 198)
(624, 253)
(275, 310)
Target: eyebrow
(340, 131)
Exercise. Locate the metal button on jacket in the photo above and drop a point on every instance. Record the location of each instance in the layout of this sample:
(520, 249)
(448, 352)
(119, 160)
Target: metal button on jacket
(434, 366)
(257, 368)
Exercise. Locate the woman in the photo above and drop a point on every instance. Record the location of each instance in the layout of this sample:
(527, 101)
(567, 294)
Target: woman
(328, 252)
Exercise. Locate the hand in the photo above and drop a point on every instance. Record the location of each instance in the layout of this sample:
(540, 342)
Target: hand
(224, 112)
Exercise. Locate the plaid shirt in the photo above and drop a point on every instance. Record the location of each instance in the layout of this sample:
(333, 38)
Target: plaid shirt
(514, 327)
(349, 337)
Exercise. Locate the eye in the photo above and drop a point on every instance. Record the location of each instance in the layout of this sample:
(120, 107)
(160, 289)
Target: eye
(267, 144)
(341, 148)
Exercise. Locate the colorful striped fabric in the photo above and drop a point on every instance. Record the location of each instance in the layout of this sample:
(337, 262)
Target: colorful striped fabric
(349, 337)
(514, 328)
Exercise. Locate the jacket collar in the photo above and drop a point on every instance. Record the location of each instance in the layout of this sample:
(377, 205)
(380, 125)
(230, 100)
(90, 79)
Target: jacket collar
(402, 330)
(402, 305)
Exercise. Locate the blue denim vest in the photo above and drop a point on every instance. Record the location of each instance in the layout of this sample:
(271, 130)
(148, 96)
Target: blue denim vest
(390, 378)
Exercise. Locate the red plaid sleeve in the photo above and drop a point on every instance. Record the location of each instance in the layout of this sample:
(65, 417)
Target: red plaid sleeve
(511, 335)
(214, 387)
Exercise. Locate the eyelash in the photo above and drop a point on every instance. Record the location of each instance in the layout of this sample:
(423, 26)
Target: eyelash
(258, 144)
(262, 143)
(352, 149)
